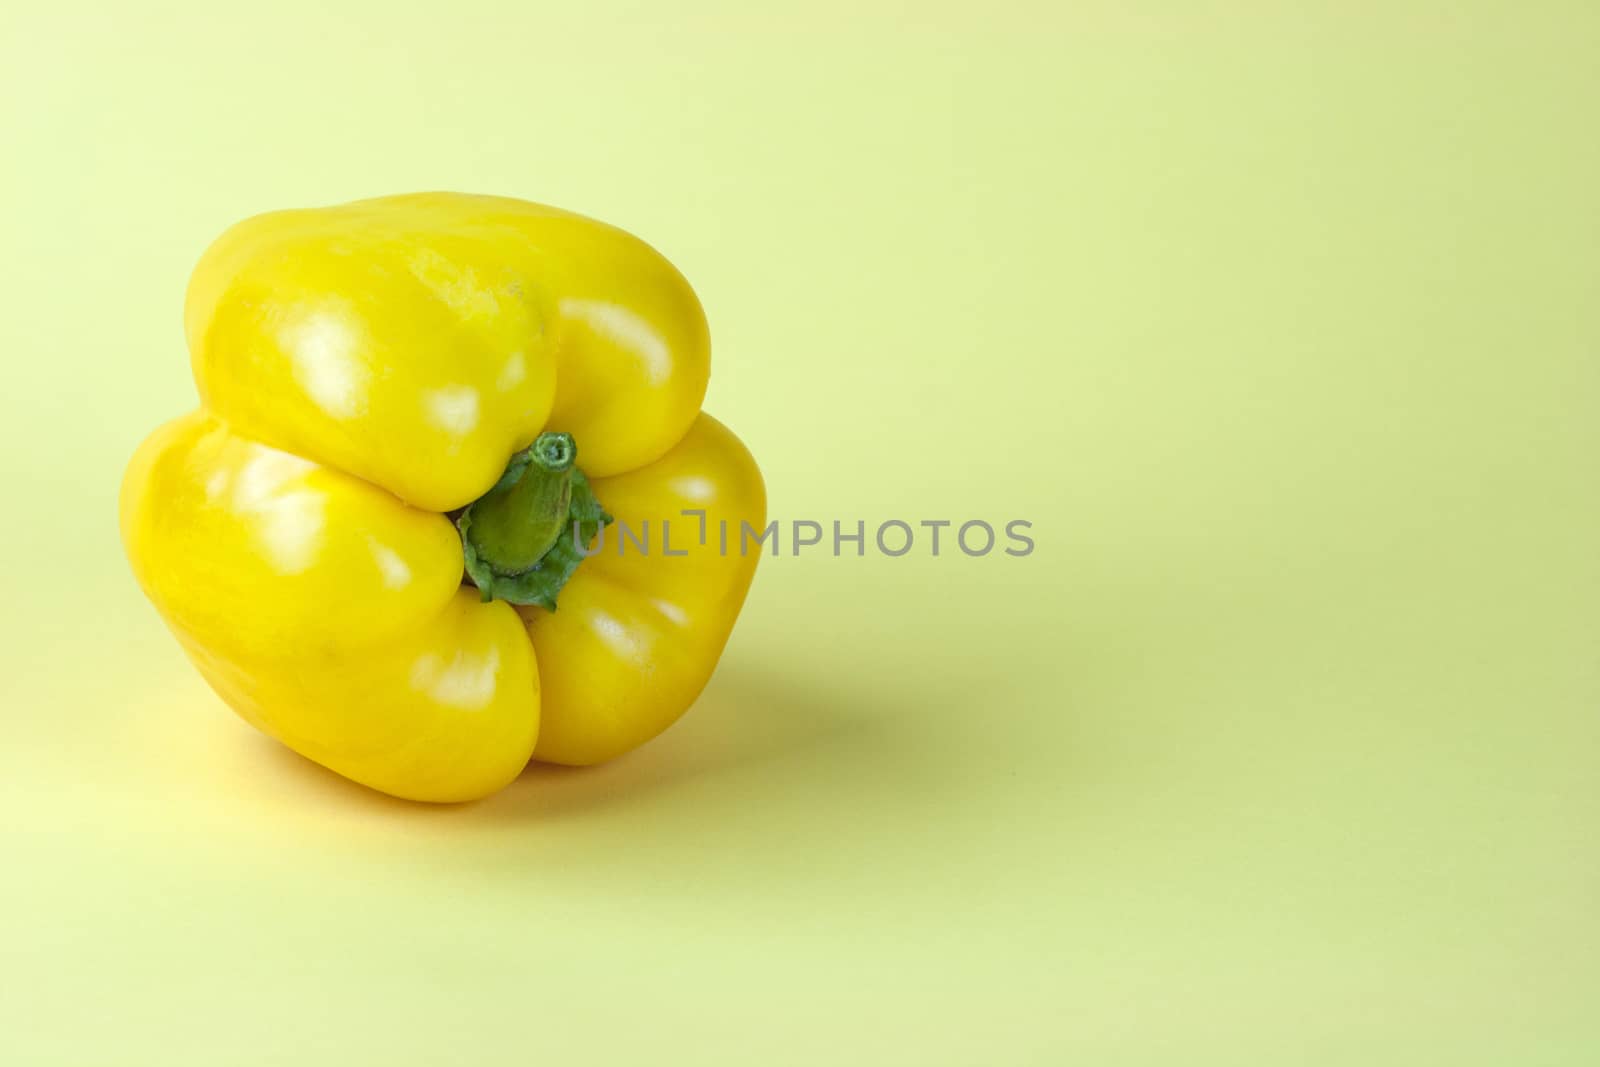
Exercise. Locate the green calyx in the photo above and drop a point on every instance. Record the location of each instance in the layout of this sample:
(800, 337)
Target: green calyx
(524, 538)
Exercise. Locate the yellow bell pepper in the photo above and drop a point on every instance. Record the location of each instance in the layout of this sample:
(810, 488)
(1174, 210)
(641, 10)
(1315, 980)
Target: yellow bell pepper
(382, 537)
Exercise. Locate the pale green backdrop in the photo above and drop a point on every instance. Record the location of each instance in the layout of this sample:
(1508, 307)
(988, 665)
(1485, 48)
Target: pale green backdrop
(1278, 320)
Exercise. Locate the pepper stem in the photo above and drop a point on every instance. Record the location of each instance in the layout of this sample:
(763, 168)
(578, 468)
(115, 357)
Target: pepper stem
(512, 536)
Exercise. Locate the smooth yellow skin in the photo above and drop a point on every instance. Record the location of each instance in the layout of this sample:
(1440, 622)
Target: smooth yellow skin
(365, 368)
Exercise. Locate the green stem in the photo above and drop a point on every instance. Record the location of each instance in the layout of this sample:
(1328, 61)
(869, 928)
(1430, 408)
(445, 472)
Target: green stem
(514, 538)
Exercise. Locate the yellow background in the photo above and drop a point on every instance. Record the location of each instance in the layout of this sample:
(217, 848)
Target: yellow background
(1279, 321)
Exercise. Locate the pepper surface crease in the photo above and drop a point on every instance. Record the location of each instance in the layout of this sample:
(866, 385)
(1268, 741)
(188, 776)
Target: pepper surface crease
(372, 377)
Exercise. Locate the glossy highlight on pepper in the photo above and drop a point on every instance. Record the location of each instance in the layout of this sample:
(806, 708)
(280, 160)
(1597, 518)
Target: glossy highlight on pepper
(374, 379)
